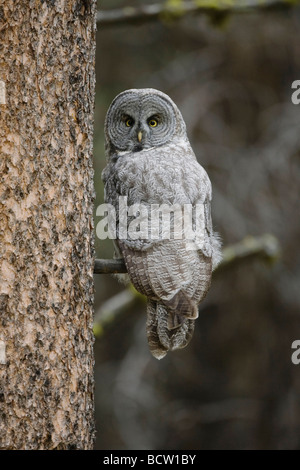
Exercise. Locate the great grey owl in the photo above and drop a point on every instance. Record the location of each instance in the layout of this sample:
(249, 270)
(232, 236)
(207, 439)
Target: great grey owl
(150, 163)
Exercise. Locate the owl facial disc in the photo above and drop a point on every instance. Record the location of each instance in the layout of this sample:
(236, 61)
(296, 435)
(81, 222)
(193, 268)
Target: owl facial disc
(141, 119)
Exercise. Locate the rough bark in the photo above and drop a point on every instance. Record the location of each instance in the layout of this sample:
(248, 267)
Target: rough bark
(46, 191)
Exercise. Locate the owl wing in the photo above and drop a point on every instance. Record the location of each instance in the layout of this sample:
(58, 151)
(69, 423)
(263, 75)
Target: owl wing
(171, 272)
(174, 277)
(206, 239)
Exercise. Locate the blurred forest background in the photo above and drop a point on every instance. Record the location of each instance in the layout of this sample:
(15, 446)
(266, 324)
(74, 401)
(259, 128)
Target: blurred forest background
(234, 386)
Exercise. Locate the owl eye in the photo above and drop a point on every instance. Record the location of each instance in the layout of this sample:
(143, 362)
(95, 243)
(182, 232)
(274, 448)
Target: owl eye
(152, 122)
(129, 122)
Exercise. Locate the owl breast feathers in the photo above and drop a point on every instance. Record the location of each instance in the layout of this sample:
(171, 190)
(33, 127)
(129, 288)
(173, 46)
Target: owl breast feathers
(151, 165)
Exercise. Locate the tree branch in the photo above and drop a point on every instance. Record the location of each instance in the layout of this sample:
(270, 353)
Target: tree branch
(113, 307)
(109, 266)
(168, 10)
(265, 246)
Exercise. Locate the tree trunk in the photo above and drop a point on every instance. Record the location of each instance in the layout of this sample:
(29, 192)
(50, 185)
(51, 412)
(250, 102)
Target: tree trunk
(46, 228)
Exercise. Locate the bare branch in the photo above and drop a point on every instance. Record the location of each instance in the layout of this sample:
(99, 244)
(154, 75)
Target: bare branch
(109, 266)
(113, 308)
(265, 246)
(165, 10)
(225, 410)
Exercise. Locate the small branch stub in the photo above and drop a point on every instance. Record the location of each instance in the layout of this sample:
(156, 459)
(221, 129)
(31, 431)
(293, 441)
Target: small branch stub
(109, 266)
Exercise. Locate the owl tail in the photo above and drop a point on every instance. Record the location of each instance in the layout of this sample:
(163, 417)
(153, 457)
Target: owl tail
(167, 330)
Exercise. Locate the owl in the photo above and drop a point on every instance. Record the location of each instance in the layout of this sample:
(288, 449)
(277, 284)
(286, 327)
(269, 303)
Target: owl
(151, 166)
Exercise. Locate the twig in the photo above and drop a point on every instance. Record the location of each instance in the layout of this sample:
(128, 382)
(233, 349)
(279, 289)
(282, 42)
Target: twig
(112, 308)
(167, 10)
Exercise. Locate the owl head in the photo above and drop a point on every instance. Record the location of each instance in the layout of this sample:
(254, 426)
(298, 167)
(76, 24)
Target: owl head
(139, 119)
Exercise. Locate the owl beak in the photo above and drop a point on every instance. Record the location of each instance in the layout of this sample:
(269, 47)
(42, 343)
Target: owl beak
(140, 136)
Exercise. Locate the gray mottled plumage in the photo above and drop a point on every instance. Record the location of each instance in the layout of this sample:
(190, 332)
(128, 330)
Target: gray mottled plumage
(160, 168)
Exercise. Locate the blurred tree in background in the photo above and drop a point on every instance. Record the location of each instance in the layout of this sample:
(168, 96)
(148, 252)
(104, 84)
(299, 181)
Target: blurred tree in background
(235, 386)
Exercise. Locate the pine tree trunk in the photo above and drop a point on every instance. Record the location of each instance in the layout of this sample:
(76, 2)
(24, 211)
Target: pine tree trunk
(46, 192)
